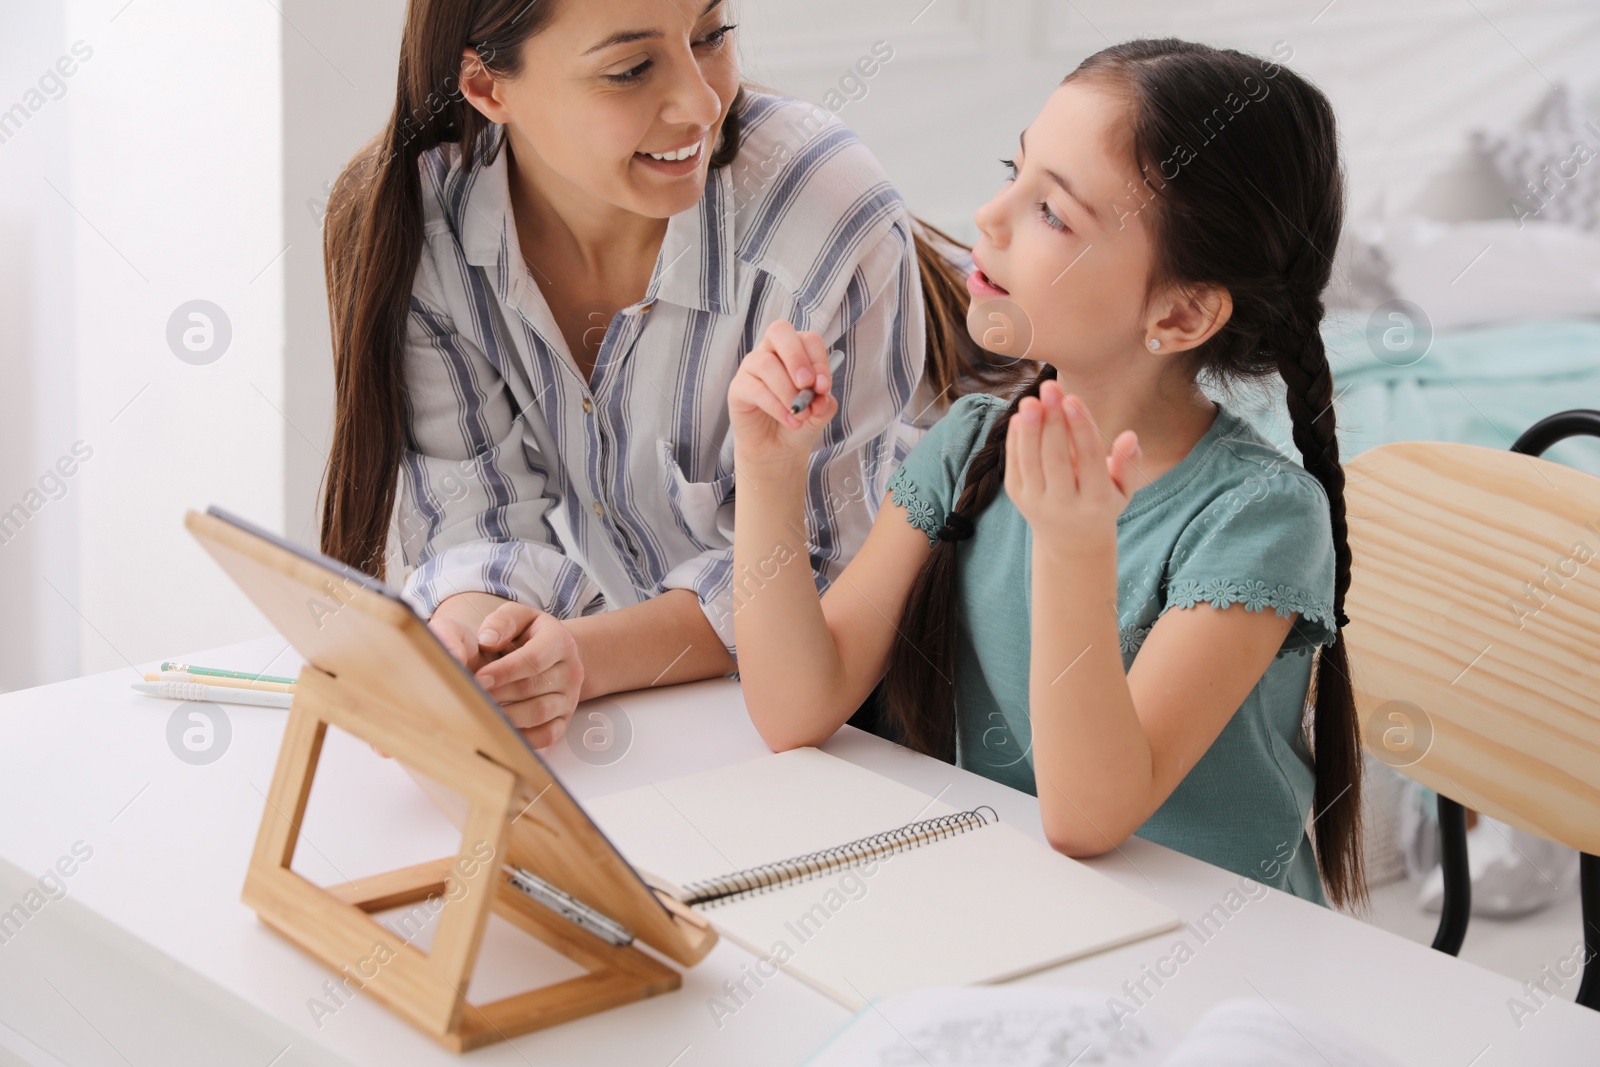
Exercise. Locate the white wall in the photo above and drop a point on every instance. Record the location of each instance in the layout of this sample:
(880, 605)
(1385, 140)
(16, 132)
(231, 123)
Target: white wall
(1408, 80)
(174, 169)
(38, 543)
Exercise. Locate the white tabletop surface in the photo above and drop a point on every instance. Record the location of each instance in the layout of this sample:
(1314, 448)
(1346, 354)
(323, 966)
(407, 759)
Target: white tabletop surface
(151, 958)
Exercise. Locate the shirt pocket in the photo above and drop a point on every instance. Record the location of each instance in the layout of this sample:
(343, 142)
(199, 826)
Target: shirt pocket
(703, 510)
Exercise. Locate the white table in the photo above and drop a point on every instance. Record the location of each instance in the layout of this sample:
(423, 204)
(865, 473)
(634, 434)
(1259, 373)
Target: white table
(150, 958)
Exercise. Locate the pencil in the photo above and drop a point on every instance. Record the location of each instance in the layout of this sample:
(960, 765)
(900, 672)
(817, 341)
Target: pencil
(213, 672)
(226, 683)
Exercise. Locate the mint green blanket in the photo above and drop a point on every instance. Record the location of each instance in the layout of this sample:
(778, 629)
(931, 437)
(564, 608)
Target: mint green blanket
(1480, 386)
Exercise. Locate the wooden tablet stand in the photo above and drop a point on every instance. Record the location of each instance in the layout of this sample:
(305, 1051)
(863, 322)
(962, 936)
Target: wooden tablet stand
(374, 670)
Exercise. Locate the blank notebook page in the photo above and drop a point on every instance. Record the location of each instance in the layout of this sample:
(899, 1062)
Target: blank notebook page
(981, 906)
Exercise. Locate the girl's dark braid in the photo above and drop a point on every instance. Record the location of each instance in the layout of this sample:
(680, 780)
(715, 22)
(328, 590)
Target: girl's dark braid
(1303, 364)
(987, 471)
(919, 691)
(1335, 727)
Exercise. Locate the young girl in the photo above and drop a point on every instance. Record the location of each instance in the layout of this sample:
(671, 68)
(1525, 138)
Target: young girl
(1068, 592)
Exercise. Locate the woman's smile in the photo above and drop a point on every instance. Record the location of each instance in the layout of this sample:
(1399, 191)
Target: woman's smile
(676, 162)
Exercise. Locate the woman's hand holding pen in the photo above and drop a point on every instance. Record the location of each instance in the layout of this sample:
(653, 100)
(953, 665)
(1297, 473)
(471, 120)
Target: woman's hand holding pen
(766, 432)
(1061, 476)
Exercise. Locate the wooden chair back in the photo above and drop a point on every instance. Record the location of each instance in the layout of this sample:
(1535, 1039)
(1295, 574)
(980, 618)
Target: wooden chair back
(1474, 634)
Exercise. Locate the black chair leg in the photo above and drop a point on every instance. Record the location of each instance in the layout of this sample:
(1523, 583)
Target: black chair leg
(1589, 876)
(1533, 442)
(1457, 906)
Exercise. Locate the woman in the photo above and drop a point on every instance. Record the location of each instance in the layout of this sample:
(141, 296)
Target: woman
(537, 334)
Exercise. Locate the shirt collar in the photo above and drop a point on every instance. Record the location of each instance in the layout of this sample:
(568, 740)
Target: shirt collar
(694, 268)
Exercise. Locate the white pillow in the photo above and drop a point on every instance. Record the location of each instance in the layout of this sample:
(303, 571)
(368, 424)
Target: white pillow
(1360, 280)
(1483, 271)
(1552, 172)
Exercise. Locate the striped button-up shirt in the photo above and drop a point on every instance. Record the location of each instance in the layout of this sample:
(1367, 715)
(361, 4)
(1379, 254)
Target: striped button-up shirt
(522, 479)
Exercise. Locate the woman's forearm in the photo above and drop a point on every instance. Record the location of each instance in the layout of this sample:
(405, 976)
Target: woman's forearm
(661, 641)
(789, 663)
(1091, 758)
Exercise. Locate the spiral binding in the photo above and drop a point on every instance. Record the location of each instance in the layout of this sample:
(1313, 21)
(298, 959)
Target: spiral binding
(768, 876)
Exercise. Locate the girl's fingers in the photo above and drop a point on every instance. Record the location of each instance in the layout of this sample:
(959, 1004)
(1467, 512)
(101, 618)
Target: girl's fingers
(822, 377)
(770, 372)
(1055, 444)
(793, 350)
(1086, 443)
(1013, 476)
(821, 411)
(1025, 424)
(760, 395)
(1121, 465)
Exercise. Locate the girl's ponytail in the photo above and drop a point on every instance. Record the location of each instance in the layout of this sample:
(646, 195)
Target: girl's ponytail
(919, 690)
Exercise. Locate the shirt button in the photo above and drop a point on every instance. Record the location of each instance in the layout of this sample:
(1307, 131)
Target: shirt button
(588, 406)
(599, 509)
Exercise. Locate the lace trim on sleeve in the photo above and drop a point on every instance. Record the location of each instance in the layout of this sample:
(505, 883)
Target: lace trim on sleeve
(918, 511)
(1256, 595)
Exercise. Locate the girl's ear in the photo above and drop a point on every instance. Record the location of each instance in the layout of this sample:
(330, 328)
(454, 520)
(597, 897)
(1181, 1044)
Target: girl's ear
(1190, 316)
(479, 87)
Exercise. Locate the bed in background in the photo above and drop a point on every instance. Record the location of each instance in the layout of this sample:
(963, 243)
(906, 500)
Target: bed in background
(1480, 385)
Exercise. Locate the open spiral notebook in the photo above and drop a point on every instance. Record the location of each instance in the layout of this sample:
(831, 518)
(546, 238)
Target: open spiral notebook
(861, 886)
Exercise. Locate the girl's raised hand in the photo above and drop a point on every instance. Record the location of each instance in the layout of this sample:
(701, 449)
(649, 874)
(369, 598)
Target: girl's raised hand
(770, 377)
(1060, 475)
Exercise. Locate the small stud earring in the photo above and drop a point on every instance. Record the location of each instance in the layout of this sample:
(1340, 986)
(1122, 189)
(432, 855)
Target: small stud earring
(1154, 343)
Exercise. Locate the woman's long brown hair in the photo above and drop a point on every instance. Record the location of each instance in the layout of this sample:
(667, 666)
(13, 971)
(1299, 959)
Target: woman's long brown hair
(1257, 210)
(372, 242)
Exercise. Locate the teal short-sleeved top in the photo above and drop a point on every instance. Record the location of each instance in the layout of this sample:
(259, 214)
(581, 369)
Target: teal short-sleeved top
(1235, 520)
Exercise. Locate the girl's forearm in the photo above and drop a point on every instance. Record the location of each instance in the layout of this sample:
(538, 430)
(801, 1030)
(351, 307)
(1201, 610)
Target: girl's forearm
(1092, 760)
(789, 663)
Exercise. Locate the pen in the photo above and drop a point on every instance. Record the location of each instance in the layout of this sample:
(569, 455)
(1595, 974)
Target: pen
(216, 693)
(246, 676)
(211, 679)
(804, 398)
